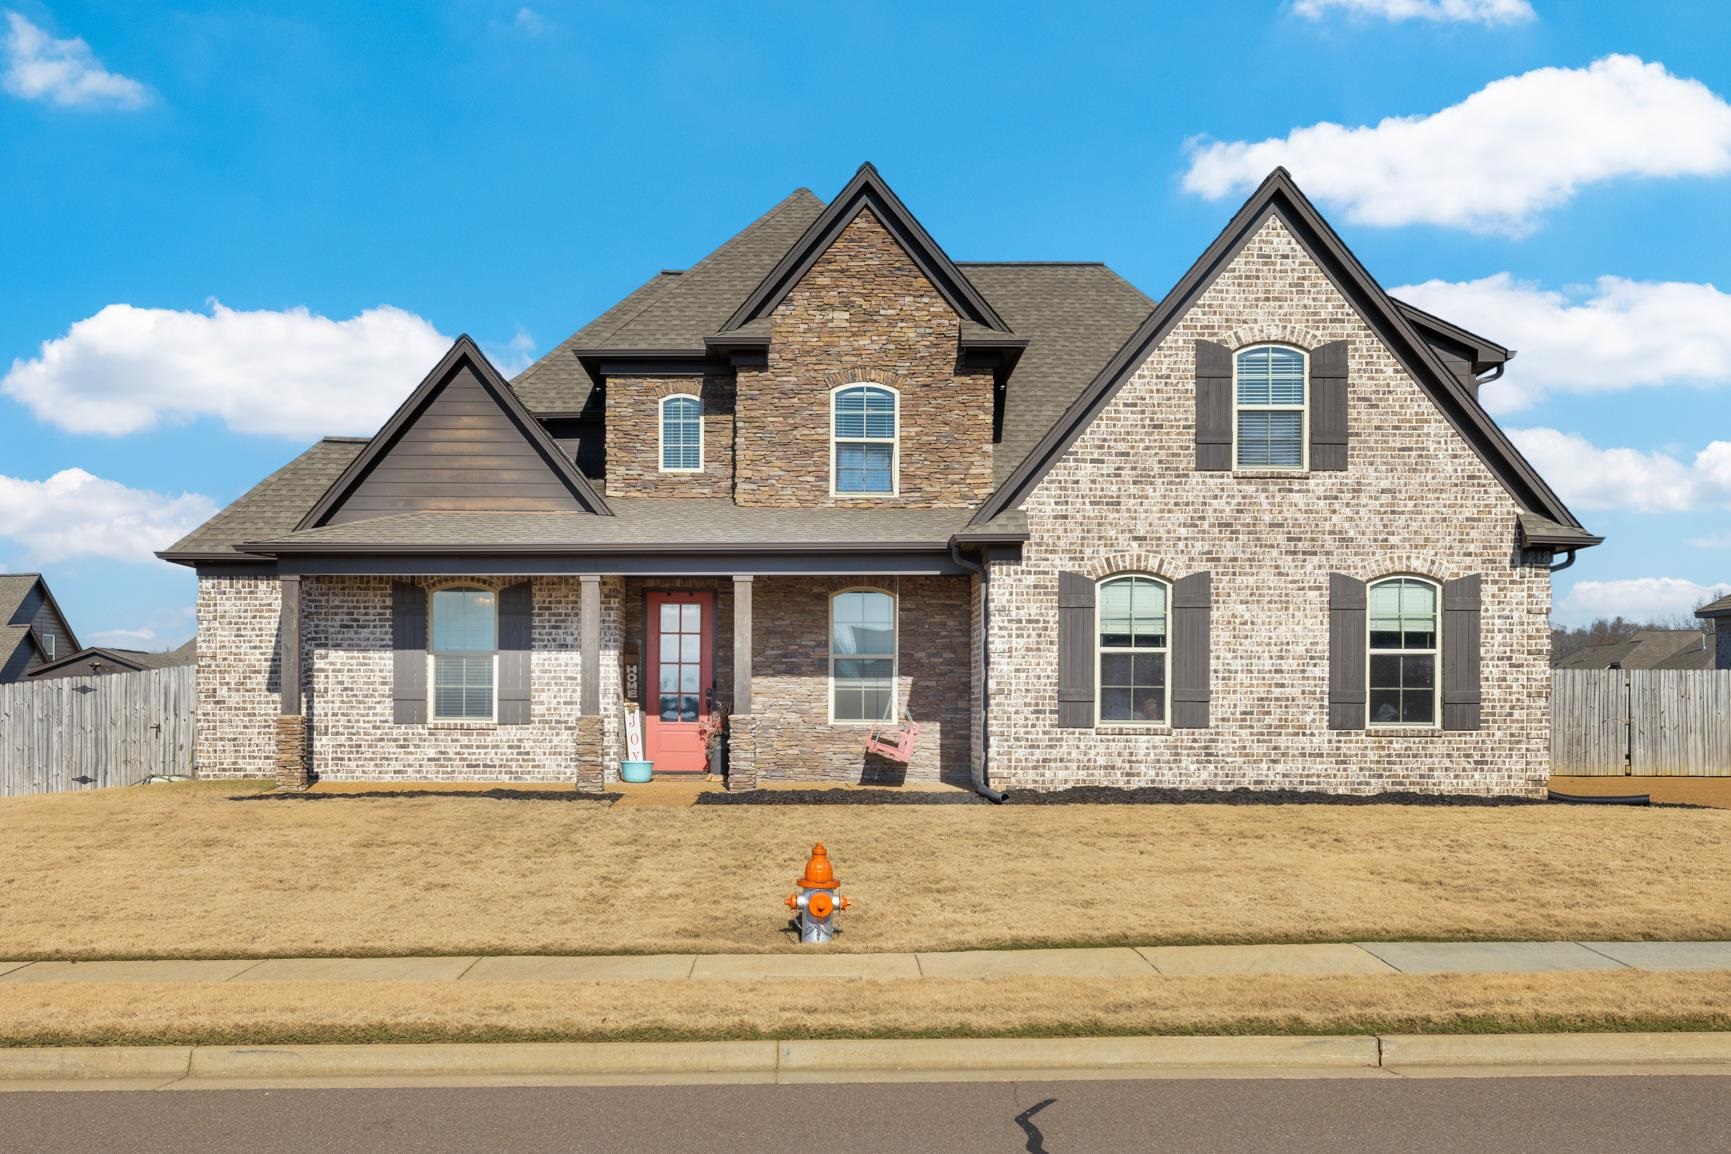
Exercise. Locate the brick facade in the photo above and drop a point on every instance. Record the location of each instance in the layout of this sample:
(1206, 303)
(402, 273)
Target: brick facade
(1415, 499)
(238, 692)
(634, 437)
(864, 312)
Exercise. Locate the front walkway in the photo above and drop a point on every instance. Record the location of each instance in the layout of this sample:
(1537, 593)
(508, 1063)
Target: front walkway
(817, 964)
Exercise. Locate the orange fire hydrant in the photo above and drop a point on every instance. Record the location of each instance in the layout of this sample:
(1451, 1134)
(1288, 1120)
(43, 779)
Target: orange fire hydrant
(817, 901)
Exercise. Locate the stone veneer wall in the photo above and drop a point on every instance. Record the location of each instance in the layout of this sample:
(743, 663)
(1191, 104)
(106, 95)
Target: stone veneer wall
(634, 437)
(238, 692)
(347, 630)
(864, 312)
(791, 734)
(1416, 499)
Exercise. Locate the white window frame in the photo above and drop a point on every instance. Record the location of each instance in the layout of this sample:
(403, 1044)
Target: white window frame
(895, 655)
(1100, 652)
(895, 442)
(661, 432)
(1434, 652)
(433, 717)
(1303, 412)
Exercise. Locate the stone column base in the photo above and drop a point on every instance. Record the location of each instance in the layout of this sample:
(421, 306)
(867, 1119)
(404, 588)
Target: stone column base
(741, 753)
(292, 770)
(591, 772)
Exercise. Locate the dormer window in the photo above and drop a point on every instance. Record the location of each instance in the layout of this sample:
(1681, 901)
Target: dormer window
(681, 434)
(864, 449)
(1269, 391)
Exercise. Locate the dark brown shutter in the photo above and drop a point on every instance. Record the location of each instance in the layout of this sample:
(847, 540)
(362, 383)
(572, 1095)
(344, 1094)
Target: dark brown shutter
(1192, 603)
(1213, 406)
(408, 654)
(1460, 653)
(1346, 652)
(1075, 651)
(1328, 407)
(516, 625)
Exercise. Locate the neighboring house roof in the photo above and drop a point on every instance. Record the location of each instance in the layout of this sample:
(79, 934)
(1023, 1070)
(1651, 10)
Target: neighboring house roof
(272, 507)
(14, 589)
(121, 659)
(1719, 608)
(639, 524)
(1648, 649)
(1279, 196)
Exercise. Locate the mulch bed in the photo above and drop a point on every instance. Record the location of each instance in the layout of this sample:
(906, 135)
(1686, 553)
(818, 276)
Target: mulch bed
(469, 794)
(1102, 795)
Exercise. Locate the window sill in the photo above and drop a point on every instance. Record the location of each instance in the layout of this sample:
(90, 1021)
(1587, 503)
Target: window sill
(1159, 730)
(1272, 474)
(1403, 731)
(449, 724)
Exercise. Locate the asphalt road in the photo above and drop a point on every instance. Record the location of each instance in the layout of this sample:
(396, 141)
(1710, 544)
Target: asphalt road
(1460, 1115)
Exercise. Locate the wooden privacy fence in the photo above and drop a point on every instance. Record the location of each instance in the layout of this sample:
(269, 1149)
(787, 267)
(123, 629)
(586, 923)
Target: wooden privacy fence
(1644, 722)
(72, 733)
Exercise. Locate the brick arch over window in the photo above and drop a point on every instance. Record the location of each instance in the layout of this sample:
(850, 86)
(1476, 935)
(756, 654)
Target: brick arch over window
(1269, 331)
(1429, 566)
(1146, 564)
(687, 388)
(834, 585)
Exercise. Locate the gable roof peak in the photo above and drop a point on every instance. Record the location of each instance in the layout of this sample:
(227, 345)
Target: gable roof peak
(463, 351)
(868, 190)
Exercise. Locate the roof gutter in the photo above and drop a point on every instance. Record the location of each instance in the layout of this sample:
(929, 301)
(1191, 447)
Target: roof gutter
(982, 780)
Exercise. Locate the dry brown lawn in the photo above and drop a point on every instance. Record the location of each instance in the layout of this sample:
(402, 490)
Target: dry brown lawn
(185, 871)
(311, 1012)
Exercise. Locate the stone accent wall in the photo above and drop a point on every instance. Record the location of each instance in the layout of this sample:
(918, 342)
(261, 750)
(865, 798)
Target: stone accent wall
(291, 751)
(1415, 499)
(792, 734)
(864, 312)
(634, 437)
(348, 669)
(741, 754)
(238, 691)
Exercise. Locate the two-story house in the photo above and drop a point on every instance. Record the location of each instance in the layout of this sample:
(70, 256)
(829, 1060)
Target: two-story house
(1261, 533)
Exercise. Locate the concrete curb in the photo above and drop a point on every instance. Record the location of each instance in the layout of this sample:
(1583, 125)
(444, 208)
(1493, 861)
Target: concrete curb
(858, 1059)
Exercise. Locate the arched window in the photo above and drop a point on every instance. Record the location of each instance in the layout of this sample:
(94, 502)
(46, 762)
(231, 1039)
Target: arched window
(681, 434)
(1132, 650)
(465, 637)
(1403, 652)
(862, 655)
(1270, 408)
(864, 452)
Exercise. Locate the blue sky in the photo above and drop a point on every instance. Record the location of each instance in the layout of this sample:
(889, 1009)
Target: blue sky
(228, 228)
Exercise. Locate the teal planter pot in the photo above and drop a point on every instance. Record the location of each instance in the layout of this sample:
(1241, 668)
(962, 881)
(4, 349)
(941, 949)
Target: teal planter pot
(636, 771)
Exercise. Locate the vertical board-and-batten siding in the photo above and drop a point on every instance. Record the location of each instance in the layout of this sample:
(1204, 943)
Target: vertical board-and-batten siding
(72, 733)
(1135, 487)
(1641, 722)
(462, 452)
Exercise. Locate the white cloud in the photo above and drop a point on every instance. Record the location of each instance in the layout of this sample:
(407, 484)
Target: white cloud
(1498, 159)
(1711, 541)
(1588, 477)
(1614, 334)
(1437, 11)
(144, 634)
(75, 514)
(531, 23)
(291, 373)
(1637, 599)
(65, 72)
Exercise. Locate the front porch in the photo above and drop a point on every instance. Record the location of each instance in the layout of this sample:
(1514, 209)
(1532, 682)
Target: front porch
(360, 693)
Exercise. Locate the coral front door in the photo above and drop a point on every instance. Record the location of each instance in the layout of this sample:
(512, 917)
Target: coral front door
(681, 668)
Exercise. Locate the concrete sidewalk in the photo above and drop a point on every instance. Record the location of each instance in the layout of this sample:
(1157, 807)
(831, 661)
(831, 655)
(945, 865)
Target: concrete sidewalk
(820, 965)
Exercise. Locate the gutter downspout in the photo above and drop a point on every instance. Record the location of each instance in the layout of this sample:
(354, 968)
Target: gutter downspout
(1569, 555)
(983, 779)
